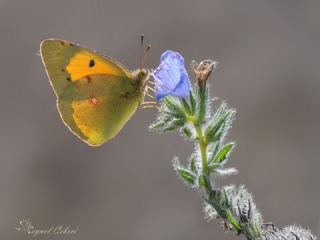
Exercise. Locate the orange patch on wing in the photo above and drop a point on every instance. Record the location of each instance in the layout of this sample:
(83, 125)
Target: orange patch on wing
(94, 100)
(86, 63)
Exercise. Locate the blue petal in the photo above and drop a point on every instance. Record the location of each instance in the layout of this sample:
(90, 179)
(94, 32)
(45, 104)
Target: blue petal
(171, 76)
(183, 88)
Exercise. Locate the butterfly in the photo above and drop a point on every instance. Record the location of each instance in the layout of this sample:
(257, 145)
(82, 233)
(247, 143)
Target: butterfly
(96, 95)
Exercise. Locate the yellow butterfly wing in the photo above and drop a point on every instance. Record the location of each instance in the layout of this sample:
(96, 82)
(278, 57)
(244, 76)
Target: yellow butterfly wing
(96, 96)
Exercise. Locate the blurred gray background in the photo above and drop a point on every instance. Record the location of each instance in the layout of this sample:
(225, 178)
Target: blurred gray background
(126, 189)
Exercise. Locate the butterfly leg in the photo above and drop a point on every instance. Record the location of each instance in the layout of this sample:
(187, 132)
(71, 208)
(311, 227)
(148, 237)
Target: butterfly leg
(151, 106)
(145, 103)
(149, 95)
(150, 88)
(146, 92)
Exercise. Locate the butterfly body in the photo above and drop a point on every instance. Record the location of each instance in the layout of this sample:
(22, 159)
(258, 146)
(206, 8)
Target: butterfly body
(96, 95)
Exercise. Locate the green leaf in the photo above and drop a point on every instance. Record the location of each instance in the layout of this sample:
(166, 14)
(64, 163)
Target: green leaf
(185, 106)
(192, 166)
(234, 222)
(192, 103)
(253, 230)
(213, 149)
(212, 166)
(225, 171)
(214, 131)
(186, 175)
(203, 102)
(170, 115)
(215, 195)
(204, 182)
(170, 128)
(214, 201)
(173, 125)
(223, 152)
(173, 105)
(157, 125)
(226, 199)
(165, 118)
(178, 122)
(187, 132)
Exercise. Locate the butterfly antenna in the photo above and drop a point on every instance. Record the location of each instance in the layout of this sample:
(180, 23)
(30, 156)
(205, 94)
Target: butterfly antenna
(144, 56)
(141, 55)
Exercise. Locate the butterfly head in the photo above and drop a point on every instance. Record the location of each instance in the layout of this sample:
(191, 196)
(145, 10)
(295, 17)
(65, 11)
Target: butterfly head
(140, 76)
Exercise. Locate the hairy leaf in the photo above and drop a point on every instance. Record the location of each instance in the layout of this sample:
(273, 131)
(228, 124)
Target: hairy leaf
(223, 152)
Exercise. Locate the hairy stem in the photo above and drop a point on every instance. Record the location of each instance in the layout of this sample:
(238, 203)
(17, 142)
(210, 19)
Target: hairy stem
(203, 148)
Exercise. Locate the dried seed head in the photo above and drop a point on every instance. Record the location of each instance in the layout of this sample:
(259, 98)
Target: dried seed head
(203, 69)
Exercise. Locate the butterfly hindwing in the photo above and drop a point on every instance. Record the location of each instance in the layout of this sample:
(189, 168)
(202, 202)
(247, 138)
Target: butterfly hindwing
(97, 111)
(95, 94)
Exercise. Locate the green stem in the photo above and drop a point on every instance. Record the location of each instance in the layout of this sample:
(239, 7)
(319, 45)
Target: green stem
(203, 151)
(203, 148)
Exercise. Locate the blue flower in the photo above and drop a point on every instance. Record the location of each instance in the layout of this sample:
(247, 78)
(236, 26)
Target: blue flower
(171, 77)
